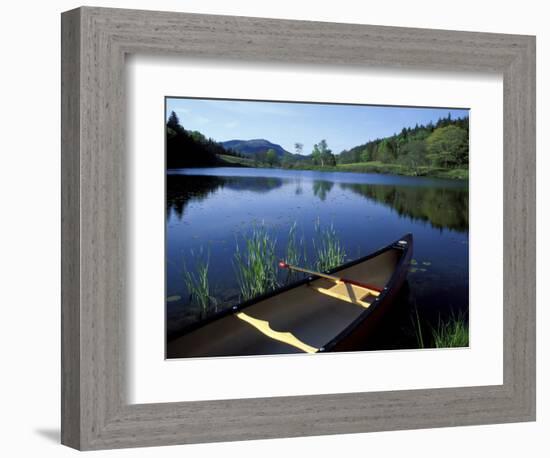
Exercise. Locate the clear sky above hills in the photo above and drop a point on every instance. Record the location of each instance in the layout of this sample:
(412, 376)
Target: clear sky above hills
(342, 126)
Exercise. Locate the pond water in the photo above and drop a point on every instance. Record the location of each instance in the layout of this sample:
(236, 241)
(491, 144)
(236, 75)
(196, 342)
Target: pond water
(214, 209)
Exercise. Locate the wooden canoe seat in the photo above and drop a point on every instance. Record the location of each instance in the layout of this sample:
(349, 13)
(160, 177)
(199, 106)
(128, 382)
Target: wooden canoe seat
(348, 293)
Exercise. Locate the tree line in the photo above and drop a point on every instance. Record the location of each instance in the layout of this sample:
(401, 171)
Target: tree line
(441, 144)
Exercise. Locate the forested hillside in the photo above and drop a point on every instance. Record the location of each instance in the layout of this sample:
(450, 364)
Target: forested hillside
(443, 144)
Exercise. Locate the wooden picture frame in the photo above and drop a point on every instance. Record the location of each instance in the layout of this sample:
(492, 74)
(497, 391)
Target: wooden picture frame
(95, 413)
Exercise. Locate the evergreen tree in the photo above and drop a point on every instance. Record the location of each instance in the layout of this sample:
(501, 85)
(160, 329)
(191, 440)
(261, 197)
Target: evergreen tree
(173, 121)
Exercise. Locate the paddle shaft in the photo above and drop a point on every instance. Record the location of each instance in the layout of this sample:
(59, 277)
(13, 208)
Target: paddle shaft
(334, 278)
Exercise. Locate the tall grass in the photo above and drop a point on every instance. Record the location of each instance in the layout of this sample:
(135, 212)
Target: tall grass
(296, 254)
(452, 333)
(328, 250)
(293, 253)
(255, 263)
(255, 266)
(197, 283)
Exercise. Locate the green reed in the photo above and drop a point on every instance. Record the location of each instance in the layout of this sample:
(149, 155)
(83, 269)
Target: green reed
(328, 249)
(293, 255)
(452, 333)
(255, 266)
(296, 254)
(198, 284)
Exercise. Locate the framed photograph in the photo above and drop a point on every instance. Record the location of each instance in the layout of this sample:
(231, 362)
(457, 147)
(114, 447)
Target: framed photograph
(286, 228)
(316, 246)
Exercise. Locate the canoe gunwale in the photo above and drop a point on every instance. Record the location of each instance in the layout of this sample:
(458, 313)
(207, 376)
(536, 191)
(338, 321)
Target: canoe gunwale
(380, 299)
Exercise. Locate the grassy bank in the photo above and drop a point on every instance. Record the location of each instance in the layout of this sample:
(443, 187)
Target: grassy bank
(360, 167)
(234, 161)
(395, 169)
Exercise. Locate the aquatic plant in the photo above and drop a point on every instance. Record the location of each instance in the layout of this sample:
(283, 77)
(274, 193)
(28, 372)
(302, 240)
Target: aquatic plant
(452, 333)
(292, 251)
(296, 254)
(255, 265)
(328, 250)
(448, 334)
(197, 282)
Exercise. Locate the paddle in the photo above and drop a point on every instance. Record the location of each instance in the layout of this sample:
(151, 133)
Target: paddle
(284, 265)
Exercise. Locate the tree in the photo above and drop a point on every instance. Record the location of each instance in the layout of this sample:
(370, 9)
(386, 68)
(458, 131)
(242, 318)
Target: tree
(298, 147)
(385, 151)
(414, 155)
(448, 146)
(330, 160)
(197, 136)
(173, 121)
(189, 148)
(369, 152)
(271, 157)
(322, 155)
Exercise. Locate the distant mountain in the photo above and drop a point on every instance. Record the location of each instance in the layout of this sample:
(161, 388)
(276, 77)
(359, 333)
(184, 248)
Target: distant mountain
(253, 147)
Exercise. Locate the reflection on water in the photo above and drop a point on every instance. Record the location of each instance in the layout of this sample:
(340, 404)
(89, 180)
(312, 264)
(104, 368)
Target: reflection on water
(180, 189)
(442, 207)
(321, 188)
(214, 208)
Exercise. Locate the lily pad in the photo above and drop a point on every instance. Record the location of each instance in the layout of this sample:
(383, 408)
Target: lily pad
(426, 263)
(414, 262)
(173, 298)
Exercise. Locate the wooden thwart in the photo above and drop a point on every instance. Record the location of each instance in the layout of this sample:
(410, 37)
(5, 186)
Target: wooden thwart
(348, 293)
(348, 281)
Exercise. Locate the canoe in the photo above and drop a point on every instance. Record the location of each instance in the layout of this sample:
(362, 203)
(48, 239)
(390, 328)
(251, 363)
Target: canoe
(313, 315)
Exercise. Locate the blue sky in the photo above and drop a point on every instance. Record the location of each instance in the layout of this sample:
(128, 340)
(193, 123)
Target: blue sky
(342, 126)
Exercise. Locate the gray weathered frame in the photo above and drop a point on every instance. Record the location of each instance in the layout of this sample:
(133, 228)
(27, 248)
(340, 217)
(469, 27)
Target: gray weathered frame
(95, 414)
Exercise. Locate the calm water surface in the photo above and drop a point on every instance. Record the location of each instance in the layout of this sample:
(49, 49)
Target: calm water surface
(215, 208)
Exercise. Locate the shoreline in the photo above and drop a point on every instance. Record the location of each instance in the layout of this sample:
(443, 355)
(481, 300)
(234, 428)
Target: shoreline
(378, 168)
